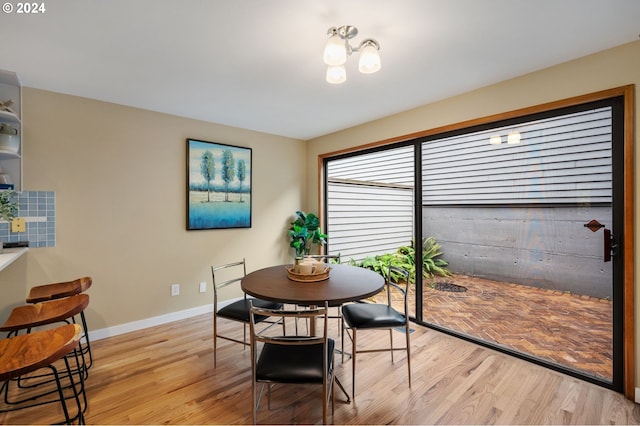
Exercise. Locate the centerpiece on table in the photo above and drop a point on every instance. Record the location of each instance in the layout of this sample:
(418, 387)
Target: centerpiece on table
(305, 231)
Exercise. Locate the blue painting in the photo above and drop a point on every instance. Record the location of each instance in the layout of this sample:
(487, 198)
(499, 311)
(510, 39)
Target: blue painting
(219, 186)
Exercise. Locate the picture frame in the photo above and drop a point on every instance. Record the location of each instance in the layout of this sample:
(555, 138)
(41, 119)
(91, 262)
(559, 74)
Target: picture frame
(219, 185)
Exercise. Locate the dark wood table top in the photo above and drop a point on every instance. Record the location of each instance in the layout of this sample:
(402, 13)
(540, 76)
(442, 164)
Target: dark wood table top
(345, 284)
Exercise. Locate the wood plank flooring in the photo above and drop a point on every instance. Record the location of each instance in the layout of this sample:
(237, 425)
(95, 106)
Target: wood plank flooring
(165, 375)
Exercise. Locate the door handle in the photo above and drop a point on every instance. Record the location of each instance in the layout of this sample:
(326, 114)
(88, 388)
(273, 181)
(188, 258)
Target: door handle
(610, 245)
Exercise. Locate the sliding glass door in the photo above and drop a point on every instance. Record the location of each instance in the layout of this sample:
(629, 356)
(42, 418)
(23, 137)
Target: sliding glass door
(524, 215)
(517, 224)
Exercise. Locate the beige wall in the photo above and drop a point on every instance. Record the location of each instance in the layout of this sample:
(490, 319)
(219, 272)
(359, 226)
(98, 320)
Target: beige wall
(119, 175)
(609, 69)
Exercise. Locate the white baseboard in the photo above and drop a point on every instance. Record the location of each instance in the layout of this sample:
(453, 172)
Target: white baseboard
(637, 397)
(150, 322)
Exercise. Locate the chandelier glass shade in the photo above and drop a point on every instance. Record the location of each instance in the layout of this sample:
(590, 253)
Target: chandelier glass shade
(335, 52)
(369, 58)
(336, 74)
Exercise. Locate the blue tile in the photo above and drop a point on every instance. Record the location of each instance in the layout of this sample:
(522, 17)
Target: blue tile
(34, 204)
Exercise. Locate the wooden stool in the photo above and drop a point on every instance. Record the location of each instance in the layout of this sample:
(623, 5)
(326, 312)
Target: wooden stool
(27, 317)
(46, 292)
(43, 293)
(28, 353)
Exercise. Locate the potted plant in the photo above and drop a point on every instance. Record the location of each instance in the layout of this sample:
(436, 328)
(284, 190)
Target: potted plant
(8, 207)
(304, 231)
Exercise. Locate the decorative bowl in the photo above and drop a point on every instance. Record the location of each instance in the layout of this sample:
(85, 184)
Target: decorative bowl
(308, 278)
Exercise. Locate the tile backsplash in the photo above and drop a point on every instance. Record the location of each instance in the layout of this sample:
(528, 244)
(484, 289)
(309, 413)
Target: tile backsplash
(38, 208)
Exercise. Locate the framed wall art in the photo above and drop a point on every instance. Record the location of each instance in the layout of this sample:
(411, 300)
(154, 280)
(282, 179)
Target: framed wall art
(218, 185)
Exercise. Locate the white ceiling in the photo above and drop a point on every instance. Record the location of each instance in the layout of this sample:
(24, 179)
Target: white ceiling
(257, 64)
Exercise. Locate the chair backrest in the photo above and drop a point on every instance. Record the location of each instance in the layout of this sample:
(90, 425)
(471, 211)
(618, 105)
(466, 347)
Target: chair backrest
(329, 258)
(282, 348)
(59, 290)
(267, 336)
(225, 275)
(402, 277)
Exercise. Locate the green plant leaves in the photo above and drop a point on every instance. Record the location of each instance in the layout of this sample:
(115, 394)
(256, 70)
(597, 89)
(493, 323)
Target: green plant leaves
(8, 205)
(404, 258)
(304, 231)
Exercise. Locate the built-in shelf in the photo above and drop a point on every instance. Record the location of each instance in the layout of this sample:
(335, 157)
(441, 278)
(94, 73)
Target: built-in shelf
(8, 256)
(11, 162)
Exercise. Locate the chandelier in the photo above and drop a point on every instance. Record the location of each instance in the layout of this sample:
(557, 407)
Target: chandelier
(338, 49)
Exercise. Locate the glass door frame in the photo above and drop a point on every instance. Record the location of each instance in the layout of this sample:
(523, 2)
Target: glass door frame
(624, 378)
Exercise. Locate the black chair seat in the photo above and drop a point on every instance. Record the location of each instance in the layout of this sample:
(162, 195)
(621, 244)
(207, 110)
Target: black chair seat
(239, 310)
(370, 315)
(292, 364)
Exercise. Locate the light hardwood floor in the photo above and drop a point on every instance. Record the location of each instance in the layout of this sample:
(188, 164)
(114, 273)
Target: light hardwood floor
(165, 375)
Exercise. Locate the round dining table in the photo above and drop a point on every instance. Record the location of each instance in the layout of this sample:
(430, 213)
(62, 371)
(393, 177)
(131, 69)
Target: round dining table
(346, 283)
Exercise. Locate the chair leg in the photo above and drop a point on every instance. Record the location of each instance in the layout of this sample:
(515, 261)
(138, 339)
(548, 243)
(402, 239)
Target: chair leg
(215, 341)
(333, 395)
(77, 393)
(58, 380)
(253, 401)
(353, 364)
(325, 392)
(408, 353)
(391, 343)
(87, 346)
(342, 339)
(61, 395)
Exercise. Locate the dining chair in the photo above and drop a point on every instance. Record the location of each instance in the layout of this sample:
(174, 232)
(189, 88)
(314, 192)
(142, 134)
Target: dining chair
(379, 316)
(298, 359)
(224, 276)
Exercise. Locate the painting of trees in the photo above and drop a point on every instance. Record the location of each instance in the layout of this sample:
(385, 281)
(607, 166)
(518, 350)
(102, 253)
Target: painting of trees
(219, 185)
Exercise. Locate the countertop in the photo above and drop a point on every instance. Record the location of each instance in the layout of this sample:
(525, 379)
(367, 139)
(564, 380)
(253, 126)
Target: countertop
(9, 255)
